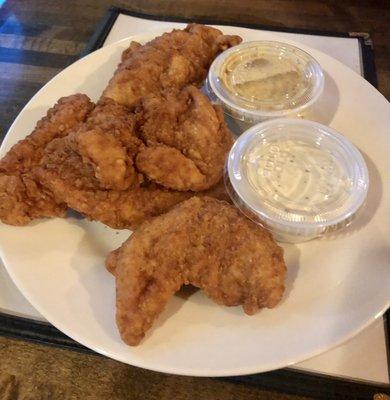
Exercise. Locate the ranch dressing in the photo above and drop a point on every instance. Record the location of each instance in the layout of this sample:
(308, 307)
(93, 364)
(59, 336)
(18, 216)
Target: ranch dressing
(297, 178)
(301, 179)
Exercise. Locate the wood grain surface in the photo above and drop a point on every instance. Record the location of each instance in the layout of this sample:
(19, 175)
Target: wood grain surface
(38, 38)
(31, 371)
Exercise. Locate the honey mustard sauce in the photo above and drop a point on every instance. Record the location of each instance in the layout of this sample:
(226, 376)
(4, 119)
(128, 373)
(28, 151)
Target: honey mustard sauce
(262, 78)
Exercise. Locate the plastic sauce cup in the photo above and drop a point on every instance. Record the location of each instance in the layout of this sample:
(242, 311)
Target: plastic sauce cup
(297, 178)
(260, 80)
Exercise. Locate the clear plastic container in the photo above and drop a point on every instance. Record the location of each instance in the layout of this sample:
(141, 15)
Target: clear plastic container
(256, 81)
(298, 178)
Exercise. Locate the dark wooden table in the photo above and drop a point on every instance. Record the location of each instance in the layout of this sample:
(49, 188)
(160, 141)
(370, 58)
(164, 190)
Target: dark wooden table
(38, 38)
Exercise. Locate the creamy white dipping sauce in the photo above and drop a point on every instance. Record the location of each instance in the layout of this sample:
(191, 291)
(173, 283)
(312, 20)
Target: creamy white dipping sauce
(297, 178)
(293, 176)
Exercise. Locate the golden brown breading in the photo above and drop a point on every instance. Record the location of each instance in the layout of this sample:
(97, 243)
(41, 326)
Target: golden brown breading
(64, 173)
(172, 61)
(106, 162)
(187, 140)
(69, 112)
(108, 142)
(203, 242)
(22, 197)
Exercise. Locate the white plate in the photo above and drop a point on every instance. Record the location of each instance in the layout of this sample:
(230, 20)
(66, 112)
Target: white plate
(335, 287)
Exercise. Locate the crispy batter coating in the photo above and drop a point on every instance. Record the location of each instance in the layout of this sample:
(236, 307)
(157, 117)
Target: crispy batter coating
(184, 143)
(187, 140)
(108, 142)
(22, 197)
(119, 166)
(69, 112)
(203, 242)
(172, 61)
(63, 172)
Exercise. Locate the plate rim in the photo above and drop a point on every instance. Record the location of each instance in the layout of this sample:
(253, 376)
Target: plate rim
(204, 372)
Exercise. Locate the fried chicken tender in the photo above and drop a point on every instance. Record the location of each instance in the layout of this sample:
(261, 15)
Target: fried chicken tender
(69, 112)
(184, 143)
(107, 141)
(187, 140)
(22, 197)
(172, 61)
(63, 172)
(117, 165)
(203, 242)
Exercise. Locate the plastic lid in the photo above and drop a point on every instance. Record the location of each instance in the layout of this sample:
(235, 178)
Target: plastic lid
(265, 79)
(297, 177)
